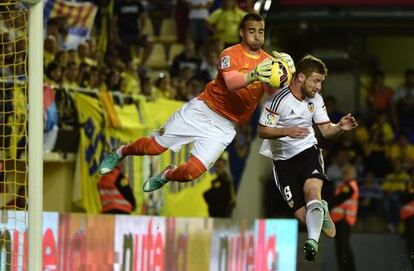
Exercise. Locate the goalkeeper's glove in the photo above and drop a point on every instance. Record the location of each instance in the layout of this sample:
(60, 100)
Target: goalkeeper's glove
(287, 59)
(261, 72)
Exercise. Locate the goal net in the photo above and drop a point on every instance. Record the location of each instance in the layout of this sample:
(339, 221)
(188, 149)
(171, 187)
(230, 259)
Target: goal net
(13, 134)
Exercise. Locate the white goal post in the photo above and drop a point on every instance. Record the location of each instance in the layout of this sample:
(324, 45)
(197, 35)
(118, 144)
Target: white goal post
(35, 138)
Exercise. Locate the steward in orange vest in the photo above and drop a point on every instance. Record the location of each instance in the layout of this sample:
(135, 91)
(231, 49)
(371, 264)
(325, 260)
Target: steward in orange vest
(344, 215)
(116, 195)
(347, 192)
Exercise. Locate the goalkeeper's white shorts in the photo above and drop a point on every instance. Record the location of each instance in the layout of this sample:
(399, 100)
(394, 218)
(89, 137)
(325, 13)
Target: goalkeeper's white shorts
(196, 123)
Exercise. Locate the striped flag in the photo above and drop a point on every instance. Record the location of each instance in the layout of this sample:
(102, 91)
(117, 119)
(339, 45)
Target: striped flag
(79, 17)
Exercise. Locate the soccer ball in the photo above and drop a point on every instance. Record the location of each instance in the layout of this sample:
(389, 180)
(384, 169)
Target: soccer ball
(281, 76)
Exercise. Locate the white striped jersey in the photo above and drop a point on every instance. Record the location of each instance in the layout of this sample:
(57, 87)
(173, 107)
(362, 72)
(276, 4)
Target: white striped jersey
(282, 109)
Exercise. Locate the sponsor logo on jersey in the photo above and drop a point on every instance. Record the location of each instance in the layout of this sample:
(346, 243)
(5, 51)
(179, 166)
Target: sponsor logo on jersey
(225, 62)
(291, 203)
(270, 120)
(311, 107)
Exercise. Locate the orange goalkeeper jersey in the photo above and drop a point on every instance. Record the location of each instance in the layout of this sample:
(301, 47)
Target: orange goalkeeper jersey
(236, 105)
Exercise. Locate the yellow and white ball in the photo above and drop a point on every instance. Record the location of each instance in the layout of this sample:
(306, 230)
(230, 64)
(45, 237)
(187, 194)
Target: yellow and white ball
(281, 76)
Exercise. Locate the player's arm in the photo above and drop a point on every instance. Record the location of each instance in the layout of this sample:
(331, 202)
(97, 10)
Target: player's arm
(267, 128)
(330, 130)
(273, 133)
(235, 80)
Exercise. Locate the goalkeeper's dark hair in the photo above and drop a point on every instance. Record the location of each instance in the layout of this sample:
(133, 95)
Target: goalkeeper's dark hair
(309, 64)
(250, 17)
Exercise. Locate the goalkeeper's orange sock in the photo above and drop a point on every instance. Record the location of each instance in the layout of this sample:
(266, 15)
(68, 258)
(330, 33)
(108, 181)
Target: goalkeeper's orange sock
(141, 146)
(186, 172)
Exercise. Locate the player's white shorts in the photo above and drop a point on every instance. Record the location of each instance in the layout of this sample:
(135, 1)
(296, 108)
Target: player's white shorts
(196, 123)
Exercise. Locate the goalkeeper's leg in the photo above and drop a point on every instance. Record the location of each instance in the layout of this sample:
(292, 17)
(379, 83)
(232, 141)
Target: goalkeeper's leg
(142, 146)
(186, 172)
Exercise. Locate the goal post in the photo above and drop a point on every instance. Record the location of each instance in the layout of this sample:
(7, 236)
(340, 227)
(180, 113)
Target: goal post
(35, 138)
(21, 134)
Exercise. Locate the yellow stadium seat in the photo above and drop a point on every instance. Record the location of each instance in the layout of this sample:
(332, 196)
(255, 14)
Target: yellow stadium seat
(158, 57)
(168, 31)
(148, 28)
(176, 48)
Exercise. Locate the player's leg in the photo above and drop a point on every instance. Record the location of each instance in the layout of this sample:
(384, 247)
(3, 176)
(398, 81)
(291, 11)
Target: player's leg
(141, 146)
(314, 216)
(210, 133)
(206, 150)
(185, 172)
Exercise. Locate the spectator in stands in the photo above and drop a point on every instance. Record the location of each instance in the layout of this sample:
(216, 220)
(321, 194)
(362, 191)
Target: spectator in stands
(84, 74)
(54, 74)
(344, 215)
(61, 57)
(148, 88)
(113, 81)
(381, 137)
(188, 58)
(83, 55)
(50, 48)
(95, 79)
(208, 68)
(128, 22)
(379, 95)
(393, 187)
(163, 88)
(197, 17)
(403, 103)
(132, 84)
(113, 60)
(370, 196)
(183, 92)
(57, 27)
(220, 197)
(407, 215)
(340, 159)
(331, 107)
(70, 76)
(73, 56)
(403, 150)
(224, 22)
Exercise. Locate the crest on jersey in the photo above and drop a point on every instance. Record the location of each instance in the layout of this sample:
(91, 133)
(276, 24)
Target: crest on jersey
(225, 62)
(161, 131)
(291, 203)
(311, 107)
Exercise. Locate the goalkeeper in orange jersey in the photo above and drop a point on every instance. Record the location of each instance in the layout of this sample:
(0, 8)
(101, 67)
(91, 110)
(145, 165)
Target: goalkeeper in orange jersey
(209, 120)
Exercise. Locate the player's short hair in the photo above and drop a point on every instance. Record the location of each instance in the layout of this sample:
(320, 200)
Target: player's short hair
(250, 17)
(309, 64)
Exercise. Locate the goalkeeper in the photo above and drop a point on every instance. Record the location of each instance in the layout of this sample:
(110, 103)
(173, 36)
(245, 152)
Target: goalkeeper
(209, 120)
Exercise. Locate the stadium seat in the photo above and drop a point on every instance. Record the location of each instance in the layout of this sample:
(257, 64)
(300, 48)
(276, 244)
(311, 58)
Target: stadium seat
(158, 57)
(175, 49)
(148, 28)
(168, 33)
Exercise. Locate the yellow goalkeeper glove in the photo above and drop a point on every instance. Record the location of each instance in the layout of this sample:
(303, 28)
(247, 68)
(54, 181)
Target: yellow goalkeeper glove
(261, 72)
(287, 59)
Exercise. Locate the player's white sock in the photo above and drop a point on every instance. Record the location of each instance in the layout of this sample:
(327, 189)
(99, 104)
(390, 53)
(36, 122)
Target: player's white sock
(119, 151)
(314, 219)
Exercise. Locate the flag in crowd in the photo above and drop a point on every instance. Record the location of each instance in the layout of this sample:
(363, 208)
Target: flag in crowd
(79, 18)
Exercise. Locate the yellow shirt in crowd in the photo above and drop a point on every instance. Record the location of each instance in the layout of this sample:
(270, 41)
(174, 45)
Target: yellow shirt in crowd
(226, 24)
